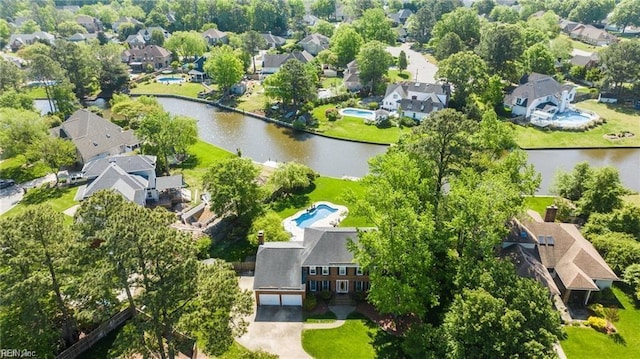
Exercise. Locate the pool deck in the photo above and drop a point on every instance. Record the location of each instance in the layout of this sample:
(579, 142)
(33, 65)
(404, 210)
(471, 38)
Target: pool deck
(332, 220)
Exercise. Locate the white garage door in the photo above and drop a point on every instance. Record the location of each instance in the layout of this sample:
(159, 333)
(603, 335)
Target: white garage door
(269, 299)
(292, 299)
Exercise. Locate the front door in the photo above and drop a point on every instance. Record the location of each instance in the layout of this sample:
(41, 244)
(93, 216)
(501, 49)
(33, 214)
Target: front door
(342, 286)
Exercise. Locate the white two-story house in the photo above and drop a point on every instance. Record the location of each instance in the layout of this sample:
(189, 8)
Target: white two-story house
(415, 99)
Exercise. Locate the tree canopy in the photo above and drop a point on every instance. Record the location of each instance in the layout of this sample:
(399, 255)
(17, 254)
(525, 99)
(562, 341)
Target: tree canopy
(345, 44)
(295, 83)
(626, 13)
(373, 63)
(224, 67)
(186, 44)
(375, 26)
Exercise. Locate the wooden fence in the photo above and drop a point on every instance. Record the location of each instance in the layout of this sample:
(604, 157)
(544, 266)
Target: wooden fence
(240, 267)
(92, 338)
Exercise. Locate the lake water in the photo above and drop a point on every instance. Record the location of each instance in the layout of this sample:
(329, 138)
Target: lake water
(262, 141)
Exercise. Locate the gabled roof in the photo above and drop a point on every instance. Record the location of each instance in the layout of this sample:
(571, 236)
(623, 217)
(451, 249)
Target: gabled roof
(582, 60)
(411, 86)
(317, 39)
(328, 246)
(426, 106)
(403, 14)
(310, 19)
(169, 182)
(575, 260)
(528, 265)
(135, 39)
(93, 135)
(592, 32)
(536, 86)
(279, 266)
(214, 34)
(86, 19)
(273, 40)
(129, 164)
(150, 50)
(38, 35)
(277, 60)
(132, 187)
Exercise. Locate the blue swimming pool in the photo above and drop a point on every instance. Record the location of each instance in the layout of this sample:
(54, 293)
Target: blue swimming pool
(170, 80)
(572, 118)
(310, 217)
(356, 112)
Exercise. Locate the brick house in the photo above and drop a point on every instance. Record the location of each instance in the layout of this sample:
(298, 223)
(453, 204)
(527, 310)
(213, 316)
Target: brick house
(287, 271)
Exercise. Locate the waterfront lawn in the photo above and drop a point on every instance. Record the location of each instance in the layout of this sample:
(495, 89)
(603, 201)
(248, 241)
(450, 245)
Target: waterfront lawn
(252, 101)
(538, 203)
(324, 189)
(35, 92)
(585, 342)
(59, 198)
(201, 156)
(17, 169)
(618, 119)
(351, 340)
(354, 128)
(189, 89)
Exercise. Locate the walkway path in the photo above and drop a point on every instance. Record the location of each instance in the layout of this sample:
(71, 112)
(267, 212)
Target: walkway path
(341, 313)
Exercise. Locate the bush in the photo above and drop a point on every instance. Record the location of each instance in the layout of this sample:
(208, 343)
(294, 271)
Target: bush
(597, 309)
(385, 123)
(310, 303)
(360, 296)
(373, 106)
(325, 295)
(408, 122)
(202, 246)
(599, 324)
(332, 114)
(299, 124)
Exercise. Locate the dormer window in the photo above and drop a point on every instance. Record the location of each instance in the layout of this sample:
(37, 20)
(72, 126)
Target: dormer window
(520, 101)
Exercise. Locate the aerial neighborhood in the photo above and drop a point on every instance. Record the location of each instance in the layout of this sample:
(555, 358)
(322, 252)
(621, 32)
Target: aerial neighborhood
(320, 179)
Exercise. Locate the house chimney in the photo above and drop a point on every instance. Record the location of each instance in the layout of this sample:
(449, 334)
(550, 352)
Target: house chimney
(260, 237)
(550, 213)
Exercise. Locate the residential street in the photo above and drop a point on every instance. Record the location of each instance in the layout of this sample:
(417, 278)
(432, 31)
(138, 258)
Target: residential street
(416, 63)
(9, 197)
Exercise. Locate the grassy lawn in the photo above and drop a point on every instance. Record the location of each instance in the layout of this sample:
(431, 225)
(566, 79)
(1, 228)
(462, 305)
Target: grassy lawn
(351, 340)
(354, 128)
(16, 169)
(618, 119)
(328, 317)
(59, 198)
(396, 76)
(581, 45)
(587, 343)
(538, 203)
(35, 92)
(189, 89)
(252, 101)
(324, 189)
(202, 156)
(329, 82)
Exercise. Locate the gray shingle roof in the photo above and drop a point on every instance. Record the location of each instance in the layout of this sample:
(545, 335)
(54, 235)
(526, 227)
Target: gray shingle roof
(169, 182)
(273, 40)
(132, 187)
(528, 265)
(316, 38)
(130, 164)
(214, 34)
(277, 60)
(93, 135)
(279, 266)
(328, 246)
(537, 86)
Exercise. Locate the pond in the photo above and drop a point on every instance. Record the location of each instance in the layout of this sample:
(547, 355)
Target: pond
(262, 141)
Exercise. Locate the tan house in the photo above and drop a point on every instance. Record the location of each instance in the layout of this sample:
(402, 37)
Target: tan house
(314, 43)
(215, 37)
(574, 268)
(592, 35)
(153, 55)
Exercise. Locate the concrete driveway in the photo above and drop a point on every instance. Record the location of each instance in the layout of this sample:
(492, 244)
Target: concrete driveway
(10, 197)
(417, 63)
(277, 330)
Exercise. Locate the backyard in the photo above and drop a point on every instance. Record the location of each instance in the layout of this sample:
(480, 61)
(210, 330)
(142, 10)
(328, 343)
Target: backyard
(618, 119)
(189, 89)
(585, 342)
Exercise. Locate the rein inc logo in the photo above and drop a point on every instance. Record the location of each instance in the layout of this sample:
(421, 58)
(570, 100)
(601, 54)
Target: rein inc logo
(17, 353)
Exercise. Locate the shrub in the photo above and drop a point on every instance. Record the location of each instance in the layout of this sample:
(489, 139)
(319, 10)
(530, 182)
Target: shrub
(599, 324)
(332, 114)
(325, 295)
(386, 123)
(597, 309)
(310, 303)
(373, 106)
(202, 246)
(299, 124)
(360, 296)
(408, 122)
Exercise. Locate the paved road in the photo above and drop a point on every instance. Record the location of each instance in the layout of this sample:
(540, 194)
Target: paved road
(417, 63)
(10, 197)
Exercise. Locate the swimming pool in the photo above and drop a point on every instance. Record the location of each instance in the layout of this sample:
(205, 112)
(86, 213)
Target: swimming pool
(310, 217)
(572, 119)
(170, 80)
(357, 112)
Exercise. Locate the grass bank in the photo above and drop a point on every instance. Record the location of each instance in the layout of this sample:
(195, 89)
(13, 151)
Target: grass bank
(587, 343)
(618, 119)
(189, 89)
(201, 156)
(18, 170)
(538, 203)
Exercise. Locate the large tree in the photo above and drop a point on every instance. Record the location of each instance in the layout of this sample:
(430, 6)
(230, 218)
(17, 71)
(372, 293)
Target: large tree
(345, 44)
(501, 46)
(186, 44)
(165, 135)
(269, 15)
(233, 186)
(78, 64)
(292, 176)
(20, 129)
(591, 11)
(627, 12)
(467, 72)
(323, 8)
(538, 58)
(421, 24)
(620, 63)
(462, 21)
(10, 75)
(54, 152)
(252, 43)
(113, 75)
(224, 67)
(294, 83)
(373, 63)
(603, 192)
(374, 25)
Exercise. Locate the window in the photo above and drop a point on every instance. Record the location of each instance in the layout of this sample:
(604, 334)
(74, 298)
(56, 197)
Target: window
(359, 271)
(313, 285)
(342, 270)
(395, 96)
(325, 285)
(312, 270)
(325, 270)
(359, 286)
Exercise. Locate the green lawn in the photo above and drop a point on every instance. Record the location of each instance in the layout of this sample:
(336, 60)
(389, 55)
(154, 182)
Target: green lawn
(35, 92)
(354, 128)
(202, 155)
(60, 199)
(328, 317)
(581, 45)
(189, 89)
(587, 343)
(16, 169)
(538, 203)
(618, 119)
(252, 101)
(329, 82)
(351, 340)
(324, 189)
(397, 76)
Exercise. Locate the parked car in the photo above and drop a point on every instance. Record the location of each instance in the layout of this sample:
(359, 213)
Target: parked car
(6, 183)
